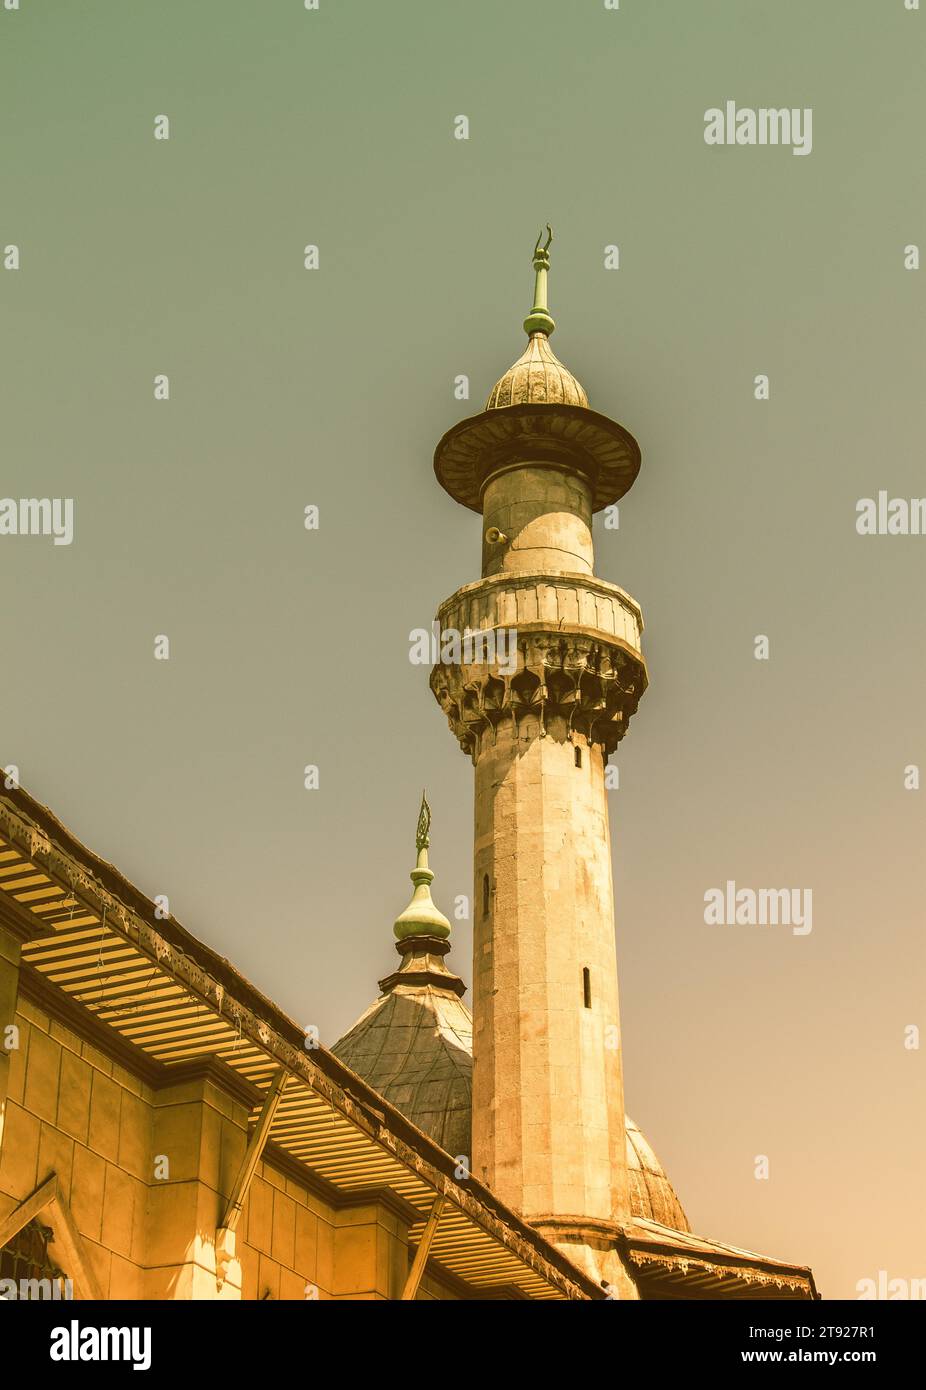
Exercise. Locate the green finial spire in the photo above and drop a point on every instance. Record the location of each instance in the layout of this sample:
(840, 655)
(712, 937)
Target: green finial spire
(422, 836)
(421, 917)
(539, 320)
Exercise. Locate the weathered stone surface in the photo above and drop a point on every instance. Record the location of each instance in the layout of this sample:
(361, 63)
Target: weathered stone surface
(417, 1052)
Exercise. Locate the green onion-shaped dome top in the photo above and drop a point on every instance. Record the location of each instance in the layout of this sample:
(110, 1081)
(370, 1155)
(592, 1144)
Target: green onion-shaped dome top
(421, 917)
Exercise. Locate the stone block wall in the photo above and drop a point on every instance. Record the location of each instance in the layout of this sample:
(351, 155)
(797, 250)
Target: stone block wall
(147, 1169)
(72, 1111)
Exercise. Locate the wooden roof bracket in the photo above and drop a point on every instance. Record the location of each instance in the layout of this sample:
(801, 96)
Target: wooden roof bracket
(410, 1291)
(225, 1235)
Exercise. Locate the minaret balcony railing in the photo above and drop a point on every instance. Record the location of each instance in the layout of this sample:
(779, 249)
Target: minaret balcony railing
(578, 668)
(514, 600)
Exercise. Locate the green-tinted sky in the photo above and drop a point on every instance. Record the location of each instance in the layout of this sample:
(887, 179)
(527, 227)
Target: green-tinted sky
(331, 387)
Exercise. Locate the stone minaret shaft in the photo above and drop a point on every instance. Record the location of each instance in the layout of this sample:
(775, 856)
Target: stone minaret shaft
(548, 1107)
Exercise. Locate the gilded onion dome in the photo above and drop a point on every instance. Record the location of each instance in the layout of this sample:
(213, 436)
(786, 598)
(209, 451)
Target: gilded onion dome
(421, 917)
(538, 377)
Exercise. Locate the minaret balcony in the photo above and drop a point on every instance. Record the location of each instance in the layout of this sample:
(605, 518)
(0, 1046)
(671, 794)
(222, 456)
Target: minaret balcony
(550, 655)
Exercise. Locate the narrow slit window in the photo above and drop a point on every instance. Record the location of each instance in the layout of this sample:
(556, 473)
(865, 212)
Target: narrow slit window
(587, 987)
(485, 895)
(578, 756)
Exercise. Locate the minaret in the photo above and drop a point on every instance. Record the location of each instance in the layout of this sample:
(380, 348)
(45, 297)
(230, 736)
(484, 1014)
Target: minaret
(548, 1106)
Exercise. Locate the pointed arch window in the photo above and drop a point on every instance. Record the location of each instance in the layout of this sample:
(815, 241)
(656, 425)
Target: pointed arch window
(25, 1259)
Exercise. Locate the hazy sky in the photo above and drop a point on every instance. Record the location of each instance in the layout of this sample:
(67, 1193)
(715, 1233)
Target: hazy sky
(331, 387)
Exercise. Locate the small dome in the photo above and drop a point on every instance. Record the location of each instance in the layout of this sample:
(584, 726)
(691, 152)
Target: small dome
(537, 378)
(652, 1196)
(415, 1047)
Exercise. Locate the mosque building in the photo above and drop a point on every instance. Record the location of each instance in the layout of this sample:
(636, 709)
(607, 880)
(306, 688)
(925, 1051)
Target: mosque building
(167, 1132)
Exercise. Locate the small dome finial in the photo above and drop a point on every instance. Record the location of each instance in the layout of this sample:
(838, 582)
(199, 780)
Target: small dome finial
(421, 917)
(422, 836)
(539, 320)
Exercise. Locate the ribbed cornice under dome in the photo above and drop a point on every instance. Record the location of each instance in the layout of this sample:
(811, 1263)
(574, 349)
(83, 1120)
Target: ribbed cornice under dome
(537, 378)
